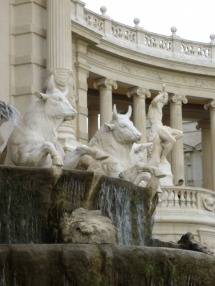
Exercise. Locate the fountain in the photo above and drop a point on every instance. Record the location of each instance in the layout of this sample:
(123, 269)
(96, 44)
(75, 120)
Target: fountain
(32, 250)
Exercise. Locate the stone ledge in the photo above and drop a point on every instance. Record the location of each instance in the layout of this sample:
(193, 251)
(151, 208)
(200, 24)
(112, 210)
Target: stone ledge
(94, 265)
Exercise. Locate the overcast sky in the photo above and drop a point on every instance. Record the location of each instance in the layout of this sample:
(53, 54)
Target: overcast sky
(194, 19)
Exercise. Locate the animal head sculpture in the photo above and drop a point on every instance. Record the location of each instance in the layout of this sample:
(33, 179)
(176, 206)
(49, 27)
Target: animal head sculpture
(123, 128)
(56, 103)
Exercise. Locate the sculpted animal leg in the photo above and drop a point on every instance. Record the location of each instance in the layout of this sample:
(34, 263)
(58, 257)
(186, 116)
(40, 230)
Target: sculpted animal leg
(38, 156)
(72, 159)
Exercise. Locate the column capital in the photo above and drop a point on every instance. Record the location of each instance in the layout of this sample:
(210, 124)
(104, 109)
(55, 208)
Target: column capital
(105, 83)
(203, 124)
(139, 91)
(210, 105)
(178, 98)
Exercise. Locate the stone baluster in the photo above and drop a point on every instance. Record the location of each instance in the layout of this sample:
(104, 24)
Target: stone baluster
(204, 125)
(177, 156)
(93, 112)
(211, 106)
(139, 109)
(105, 86)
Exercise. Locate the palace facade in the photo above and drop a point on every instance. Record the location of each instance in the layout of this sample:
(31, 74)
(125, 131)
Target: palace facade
(105, 63)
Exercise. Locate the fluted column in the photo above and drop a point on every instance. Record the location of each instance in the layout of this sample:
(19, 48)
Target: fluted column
(5, 50)
(211, 106)
(93, 112)
(59, 60)
(105, 86)
(204, 125)
(59, 43)
(139, 109)
(177, 156)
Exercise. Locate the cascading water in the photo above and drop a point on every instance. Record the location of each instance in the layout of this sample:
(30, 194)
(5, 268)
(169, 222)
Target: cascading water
(124, 205)
(30, 203)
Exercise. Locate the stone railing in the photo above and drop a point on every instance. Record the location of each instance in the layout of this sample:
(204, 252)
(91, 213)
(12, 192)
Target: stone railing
(187, 197)
(141, 39)
(186, 209)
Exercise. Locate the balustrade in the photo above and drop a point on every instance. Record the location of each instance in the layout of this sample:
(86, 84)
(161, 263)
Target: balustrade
(187, 197)
(142, 38)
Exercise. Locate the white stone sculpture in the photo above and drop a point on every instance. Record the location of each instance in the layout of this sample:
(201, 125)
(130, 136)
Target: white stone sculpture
(116, 139)
(163, 137)
(33, 142)
(9, 117)
(84, 226)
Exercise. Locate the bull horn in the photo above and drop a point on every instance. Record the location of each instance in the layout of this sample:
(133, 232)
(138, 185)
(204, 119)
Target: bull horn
(129, 112)
(115, 114)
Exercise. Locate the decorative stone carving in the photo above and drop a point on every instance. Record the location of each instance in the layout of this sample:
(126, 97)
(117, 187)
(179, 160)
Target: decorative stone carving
(84, 226)
(116, 139)
(105, 83)
(9, 117)
(178, 98)
(33, 142)
(208, 202)
(163, 137)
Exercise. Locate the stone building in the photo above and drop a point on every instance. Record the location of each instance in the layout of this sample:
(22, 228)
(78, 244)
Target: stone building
(105, 63)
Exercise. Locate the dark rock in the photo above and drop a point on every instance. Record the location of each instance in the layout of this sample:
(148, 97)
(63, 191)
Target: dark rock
(188, 242)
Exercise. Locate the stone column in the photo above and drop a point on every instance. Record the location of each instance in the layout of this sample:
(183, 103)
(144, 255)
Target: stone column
(204, 125)
(5, 50)
(59, 40)
(82, 74)
(59, 59)
(211, 106)
(93, 112)
(177, 156)
(139, 109)
(105, 86)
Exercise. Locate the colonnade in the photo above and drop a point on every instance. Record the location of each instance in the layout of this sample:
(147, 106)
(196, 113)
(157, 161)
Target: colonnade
(60, 63)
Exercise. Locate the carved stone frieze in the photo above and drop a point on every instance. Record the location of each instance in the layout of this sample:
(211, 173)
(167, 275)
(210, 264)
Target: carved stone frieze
(117, 65)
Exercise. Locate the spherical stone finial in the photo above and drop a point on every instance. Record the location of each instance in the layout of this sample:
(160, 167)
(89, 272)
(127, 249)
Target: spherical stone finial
(103, 10)
(212, 37)
(136, 21)
(173, 30)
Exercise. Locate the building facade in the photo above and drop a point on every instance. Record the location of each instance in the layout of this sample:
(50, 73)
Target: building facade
(105, 63)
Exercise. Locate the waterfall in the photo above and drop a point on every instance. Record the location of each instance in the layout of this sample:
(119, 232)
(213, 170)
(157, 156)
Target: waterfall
(125, 207)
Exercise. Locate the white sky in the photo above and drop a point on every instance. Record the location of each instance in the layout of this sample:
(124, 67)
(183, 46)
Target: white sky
(194, 19)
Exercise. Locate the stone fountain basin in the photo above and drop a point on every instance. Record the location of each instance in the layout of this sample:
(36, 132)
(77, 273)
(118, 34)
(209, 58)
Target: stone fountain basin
(100, 265)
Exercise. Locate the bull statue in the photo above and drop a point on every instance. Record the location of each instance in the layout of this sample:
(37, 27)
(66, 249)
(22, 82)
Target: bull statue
(116, 138)
(9, 118)
(33, 142)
